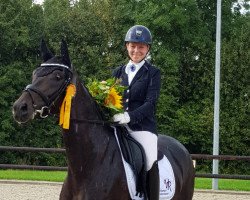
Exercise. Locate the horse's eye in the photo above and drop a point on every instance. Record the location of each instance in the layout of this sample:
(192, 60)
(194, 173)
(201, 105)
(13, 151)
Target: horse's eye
(58, 76)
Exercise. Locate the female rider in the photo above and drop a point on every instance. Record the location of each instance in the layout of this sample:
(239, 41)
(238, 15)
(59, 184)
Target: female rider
(139, 100)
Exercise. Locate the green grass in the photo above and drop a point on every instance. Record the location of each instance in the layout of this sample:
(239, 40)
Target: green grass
(224, 184)
(58, 176)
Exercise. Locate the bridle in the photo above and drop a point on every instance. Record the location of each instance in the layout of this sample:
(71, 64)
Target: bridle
(49, 100)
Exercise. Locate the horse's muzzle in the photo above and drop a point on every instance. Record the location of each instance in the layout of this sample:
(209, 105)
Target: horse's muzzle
(22, 111)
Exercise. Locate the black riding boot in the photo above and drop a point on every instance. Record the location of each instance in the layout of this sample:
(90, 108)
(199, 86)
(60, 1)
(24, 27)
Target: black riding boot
(153, 182)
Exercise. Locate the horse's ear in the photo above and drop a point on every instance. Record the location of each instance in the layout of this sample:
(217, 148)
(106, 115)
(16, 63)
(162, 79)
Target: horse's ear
(45, 52)
(65, 53)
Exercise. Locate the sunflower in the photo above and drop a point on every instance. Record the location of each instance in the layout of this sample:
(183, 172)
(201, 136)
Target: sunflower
(113, 99)
(107, 94)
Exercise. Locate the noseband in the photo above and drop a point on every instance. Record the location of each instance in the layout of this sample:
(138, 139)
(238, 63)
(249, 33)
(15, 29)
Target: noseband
(49, 101)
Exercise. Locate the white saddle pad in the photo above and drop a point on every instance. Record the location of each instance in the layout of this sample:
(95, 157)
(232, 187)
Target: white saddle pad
(167, 178)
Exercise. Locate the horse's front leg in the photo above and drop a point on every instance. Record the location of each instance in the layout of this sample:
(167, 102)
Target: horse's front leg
(66, 191)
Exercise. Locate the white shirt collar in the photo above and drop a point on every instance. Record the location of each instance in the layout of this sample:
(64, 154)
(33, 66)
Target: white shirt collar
(137, 66)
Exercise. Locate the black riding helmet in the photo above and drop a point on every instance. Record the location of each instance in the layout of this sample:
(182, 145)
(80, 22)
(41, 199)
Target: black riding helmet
(139, 33)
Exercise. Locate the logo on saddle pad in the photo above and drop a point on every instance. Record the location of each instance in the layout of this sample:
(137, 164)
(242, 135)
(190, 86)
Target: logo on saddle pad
(167, 183)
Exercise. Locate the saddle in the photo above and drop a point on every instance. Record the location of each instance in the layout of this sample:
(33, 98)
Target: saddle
(133, 153)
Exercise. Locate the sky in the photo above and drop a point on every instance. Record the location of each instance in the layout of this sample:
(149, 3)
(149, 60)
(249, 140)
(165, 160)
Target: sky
(38, 1)
(240, 1)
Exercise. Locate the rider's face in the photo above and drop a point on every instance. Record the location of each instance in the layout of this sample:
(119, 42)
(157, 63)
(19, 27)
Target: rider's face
(137, 51)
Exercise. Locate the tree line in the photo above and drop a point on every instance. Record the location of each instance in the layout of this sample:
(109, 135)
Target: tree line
(183, 49)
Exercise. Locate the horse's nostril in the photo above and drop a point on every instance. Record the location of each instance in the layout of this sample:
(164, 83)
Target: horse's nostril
(24, 107)
(21, 111)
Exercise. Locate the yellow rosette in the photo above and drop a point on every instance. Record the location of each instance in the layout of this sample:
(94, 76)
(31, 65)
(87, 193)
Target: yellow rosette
(66, 106)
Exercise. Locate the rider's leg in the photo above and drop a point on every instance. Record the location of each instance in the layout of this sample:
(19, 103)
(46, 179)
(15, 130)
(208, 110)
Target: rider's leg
(153, 182)
(149, 142)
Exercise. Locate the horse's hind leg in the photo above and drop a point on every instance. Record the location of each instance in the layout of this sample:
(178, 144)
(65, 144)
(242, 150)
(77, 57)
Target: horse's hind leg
(188, 187)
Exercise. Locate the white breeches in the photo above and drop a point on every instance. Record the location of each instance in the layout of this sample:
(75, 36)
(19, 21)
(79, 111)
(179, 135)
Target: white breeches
(148, 141)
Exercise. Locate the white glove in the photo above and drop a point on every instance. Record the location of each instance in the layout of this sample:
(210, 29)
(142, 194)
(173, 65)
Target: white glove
(122, 118)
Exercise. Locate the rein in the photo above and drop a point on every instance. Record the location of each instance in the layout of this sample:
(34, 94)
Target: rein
(49, 102)
(100, 122)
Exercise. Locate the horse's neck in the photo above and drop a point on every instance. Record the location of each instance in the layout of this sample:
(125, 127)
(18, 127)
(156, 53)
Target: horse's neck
(86, 136)
(83, 106)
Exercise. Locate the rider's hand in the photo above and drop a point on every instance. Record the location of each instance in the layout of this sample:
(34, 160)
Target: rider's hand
(121, 118)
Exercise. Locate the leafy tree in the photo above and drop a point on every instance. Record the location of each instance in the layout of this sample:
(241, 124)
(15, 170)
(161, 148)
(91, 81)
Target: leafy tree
(235, 129)
(184, 50)
(21, 28)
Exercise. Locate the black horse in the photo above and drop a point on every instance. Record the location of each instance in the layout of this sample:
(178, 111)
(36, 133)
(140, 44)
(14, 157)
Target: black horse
(95, 168)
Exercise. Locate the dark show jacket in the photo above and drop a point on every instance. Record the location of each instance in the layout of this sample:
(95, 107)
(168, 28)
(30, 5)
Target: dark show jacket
(140, 98)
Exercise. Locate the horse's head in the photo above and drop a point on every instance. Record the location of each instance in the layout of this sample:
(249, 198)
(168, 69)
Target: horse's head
(47, 89)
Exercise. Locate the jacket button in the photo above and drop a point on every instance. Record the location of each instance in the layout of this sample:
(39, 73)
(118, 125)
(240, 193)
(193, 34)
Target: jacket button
(127, 91)
(127, 100)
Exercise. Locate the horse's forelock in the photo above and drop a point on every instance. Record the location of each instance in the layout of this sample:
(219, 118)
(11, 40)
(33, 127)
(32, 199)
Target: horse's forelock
(50, 65)
(44, 71)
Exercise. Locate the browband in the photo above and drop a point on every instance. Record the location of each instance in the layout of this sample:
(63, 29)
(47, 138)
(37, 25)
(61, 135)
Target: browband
(54, 64)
